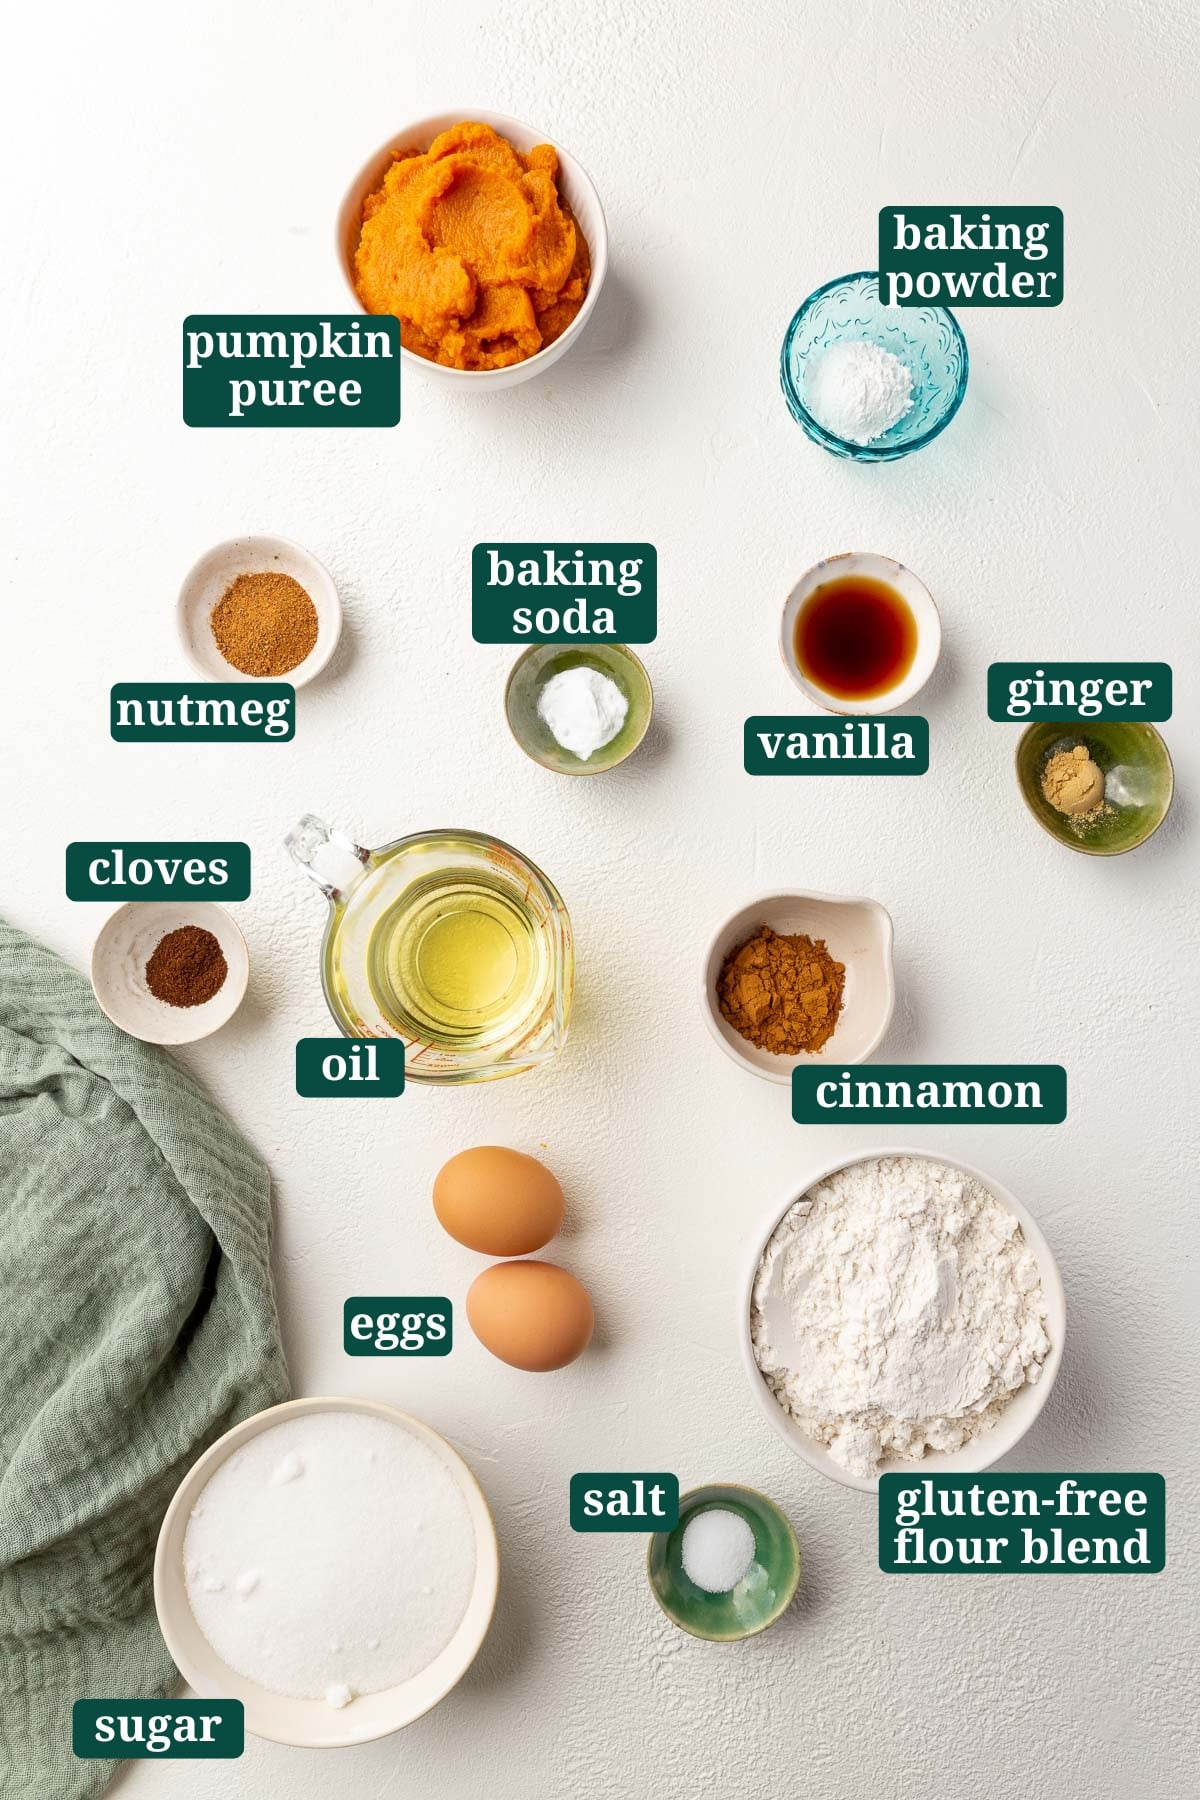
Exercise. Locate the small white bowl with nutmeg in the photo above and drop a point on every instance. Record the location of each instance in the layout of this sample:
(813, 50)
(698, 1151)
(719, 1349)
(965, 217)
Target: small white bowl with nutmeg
(797, 977)
(259, 609)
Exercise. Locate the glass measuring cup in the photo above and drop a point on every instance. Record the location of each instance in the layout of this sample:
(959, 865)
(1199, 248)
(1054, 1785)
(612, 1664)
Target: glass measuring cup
(449, 940)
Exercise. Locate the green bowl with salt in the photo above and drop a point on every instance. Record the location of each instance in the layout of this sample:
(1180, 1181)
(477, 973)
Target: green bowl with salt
(766, 1585)
(538, 665)
(1138, 782)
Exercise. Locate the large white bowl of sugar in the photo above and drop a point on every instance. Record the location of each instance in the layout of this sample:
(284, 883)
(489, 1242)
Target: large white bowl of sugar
(332, 1564)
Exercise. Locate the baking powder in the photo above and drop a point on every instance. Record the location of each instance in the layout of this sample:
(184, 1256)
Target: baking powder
(857, 390)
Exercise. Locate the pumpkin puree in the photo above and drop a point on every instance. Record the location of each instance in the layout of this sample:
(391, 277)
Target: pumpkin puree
(472, 248)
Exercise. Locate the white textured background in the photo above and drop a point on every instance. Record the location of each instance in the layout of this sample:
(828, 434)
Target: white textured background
(170, 160)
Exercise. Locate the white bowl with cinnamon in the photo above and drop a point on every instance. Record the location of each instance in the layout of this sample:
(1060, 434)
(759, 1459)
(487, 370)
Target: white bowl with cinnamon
(839, 944)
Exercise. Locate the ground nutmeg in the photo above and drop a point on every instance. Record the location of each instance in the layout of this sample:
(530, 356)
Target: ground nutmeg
(187, 967)
(782, 993)
(264, 623)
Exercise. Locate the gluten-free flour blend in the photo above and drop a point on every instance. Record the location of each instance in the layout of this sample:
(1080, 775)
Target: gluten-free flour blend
(330, 1556)
(897, 1308)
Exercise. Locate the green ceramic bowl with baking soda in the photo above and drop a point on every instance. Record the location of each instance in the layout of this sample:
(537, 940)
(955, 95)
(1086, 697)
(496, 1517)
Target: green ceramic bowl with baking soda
(538, 665)
(766, 1589)
(1138, 782)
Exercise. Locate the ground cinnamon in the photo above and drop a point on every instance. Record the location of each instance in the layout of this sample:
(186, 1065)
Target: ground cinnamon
(264, 623)
(782, 993)
(187, 967)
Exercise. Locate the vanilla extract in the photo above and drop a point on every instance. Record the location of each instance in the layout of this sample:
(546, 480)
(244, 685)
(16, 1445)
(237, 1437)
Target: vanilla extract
(855, 638)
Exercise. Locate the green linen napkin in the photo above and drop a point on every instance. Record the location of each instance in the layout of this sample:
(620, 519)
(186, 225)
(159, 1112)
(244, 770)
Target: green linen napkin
(137, 1323)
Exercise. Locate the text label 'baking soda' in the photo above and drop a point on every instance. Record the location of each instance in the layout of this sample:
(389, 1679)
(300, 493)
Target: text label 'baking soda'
(204, 712)
(617, 1502)
(564, 593)
(787, 745)
(317, 369)
(970, 255)
(1061, 690)
(141, 871)
(398, 1325)
(353, 1068)
(1022, 1524)
(920, 1093)
(170, 1731)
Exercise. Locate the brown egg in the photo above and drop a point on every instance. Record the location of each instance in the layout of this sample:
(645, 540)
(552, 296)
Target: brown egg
(498, 1201)
(530, 1314)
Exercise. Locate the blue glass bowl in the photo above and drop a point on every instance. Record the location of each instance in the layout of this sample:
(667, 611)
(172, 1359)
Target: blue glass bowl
(926, 338)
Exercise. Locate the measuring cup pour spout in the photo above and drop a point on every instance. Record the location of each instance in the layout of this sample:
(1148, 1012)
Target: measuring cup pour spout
(323, 854)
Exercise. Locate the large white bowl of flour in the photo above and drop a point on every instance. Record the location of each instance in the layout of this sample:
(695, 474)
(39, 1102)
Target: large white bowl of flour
(332, 1564)
(901, 1314)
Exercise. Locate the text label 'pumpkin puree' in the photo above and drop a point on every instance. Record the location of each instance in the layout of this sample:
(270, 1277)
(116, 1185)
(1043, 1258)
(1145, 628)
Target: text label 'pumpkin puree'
(473, 249)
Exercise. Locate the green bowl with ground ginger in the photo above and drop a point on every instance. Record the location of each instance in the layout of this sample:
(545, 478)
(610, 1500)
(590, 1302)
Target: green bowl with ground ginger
(1138, 782)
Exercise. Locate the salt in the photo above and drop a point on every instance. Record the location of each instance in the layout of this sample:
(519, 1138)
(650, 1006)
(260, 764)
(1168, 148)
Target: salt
(320, 1585)
(718, 1549)
(857, 391)
(584, 710)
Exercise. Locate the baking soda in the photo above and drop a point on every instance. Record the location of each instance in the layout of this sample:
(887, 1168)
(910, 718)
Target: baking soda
(584, 709)
(332, 1555)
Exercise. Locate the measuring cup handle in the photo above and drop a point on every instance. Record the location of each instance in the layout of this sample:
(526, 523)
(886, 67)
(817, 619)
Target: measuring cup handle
(312, 842)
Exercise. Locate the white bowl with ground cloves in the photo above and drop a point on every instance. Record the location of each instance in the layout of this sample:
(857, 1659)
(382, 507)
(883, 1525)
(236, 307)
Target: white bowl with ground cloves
(170, 972)
(259, 609)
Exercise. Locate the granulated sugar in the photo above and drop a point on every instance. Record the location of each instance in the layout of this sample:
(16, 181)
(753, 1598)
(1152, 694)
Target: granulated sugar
(330, 1556)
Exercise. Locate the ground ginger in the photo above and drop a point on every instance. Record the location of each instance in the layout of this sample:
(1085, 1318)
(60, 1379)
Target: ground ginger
(782, 993)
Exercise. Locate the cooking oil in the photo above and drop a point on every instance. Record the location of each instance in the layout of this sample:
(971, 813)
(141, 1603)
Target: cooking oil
(457, 961)
(450, 940)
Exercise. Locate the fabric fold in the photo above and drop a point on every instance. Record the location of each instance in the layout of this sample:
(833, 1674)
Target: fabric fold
(137, 1324)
